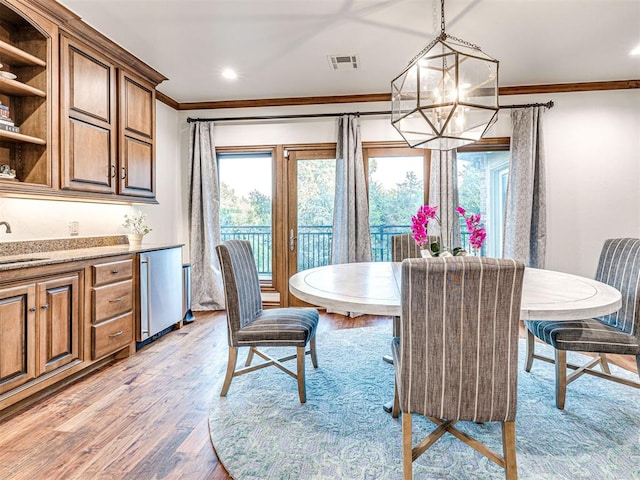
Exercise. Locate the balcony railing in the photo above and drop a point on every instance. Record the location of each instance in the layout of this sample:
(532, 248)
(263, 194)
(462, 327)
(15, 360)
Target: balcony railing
(314, 243)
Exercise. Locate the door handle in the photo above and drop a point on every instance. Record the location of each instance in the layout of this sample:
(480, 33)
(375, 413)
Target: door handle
(113, 171)
(292, 240)
(147, 262)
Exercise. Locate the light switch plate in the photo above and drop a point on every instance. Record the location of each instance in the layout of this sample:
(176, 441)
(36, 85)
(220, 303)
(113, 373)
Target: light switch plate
(74, 228)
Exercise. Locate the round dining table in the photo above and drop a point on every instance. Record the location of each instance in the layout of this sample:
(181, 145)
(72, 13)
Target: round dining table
(374, 288)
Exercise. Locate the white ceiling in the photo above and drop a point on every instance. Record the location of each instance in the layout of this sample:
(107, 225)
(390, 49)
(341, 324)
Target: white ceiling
(280, 47)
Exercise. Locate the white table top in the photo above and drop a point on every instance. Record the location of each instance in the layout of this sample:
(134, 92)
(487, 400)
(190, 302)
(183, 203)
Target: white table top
(374, 288)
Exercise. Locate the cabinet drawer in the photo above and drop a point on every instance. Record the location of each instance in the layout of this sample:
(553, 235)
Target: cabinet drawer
(112, 300)
(111, 336)
(112, 272)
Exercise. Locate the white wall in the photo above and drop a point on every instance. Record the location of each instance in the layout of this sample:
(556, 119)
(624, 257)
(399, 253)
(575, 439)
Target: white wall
(592, 147)
(33, 219)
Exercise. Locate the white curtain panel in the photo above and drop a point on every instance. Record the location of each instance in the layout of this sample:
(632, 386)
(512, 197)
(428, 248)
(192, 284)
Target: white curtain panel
(351, 241)
(204, 220)
(443, 192)
(525, 226)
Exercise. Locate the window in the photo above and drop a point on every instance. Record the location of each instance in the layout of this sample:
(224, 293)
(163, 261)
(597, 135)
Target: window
(397, 179)
(483, 172)
(246, 193)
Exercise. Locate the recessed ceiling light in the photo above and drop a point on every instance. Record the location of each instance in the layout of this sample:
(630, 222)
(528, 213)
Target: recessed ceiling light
(229, 74)
(635, 51)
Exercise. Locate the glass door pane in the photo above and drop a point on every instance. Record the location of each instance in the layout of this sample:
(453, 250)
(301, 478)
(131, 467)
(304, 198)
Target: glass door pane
(315, 196)
(246, 193)
(482, 185)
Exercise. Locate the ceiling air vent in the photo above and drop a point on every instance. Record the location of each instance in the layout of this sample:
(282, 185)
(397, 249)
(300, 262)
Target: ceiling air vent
(343, 62)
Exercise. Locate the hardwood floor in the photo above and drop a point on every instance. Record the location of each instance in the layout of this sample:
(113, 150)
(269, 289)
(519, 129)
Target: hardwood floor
(144, 417)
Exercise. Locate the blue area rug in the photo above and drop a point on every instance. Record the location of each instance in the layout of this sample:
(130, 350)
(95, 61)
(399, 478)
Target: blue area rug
(260, 431)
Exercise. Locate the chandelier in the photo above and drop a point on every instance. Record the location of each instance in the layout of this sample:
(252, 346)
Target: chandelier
(447, 96)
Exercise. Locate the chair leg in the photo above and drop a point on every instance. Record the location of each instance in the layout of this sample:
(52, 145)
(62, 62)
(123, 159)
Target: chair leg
(300, 374)
(249, 357)
(531, 341)
(395, 410)
(407, 447)
(561, 377)
(604, 363)
(231, 366)
(312, 349)
(509, 450)
(396, 333)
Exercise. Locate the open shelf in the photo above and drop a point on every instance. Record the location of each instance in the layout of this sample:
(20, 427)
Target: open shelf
(13, 87)
(6, 136)
(14, 56)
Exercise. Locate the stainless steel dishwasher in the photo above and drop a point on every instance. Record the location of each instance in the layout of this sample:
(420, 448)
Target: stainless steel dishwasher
(160, 291)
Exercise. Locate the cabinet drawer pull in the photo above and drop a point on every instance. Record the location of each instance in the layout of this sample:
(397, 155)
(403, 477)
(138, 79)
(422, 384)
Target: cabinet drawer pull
(116, 300)
(45, 306)
(114, 271)
(124, 173)
(117, 334)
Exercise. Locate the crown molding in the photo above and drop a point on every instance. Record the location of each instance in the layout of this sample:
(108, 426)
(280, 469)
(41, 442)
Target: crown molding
(386, 97)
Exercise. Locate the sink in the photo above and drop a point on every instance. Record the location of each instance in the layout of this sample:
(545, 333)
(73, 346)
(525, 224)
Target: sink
(21, 260)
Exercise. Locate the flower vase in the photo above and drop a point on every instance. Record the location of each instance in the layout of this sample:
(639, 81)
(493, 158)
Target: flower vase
(135, 239)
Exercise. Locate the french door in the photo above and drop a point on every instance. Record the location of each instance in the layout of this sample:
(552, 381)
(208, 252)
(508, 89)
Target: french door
(309, 217)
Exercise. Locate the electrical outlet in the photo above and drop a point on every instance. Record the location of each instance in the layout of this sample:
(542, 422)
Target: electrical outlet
(74, 228)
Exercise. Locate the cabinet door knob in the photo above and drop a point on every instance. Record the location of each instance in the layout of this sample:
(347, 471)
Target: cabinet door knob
(114, 271)
(117, 334)
(45, 306)
(32, 309)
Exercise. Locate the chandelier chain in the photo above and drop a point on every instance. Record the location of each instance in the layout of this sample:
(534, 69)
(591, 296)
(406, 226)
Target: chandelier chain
(443, 35)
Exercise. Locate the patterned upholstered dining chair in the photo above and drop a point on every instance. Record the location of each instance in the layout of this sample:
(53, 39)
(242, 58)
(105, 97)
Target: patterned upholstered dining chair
(457, 355)
(404, 246)
(616, 333)
(248, 325)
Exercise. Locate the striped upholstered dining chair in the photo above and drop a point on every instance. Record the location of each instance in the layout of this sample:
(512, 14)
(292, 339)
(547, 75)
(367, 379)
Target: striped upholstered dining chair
(457, 355)
(403, 246)
(248, 325)
(616, 333)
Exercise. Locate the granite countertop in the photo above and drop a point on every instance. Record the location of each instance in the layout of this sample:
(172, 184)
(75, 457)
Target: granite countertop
(38, 255)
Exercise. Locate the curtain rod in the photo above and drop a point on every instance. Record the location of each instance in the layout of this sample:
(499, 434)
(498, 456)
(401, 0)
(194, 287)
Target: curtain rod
(549, 104)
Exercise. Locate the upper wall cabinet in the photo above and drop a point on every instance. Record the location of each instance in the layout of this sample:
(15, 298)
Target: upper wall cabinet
(79, 119)
(28, 96)
(88, 105)
(108, 126)
(137, 132)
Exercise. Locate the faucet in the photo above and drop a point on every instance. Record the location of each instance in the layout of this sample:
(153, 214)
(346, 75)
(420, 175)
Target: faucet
(8, 227)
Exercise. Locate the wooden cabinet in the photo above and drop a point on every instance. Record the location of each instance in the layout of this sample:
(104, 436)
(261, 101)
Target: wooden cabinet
(103, 117)
(137, 132)
(84, 106)
(112, 303)
(28, 51)
(39, 328)
(58, 321)
(17, 336)
(88, 128)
